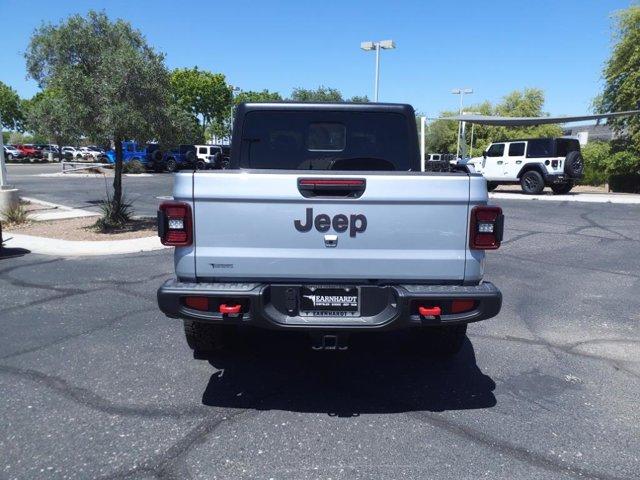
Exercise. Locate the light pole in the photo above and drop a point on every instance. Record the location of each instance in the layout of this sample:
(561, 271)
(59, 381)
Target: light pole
(8, 195)
(3, 170)
(233, 91)
(423, 121)
(461, 92)
(385, 45)
(472, 125)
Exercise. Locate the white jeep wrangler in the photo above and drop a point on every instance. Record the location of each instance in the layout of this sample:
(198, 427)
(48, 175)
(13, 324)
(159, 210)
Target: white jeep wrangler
(533, 163)
(211, 156)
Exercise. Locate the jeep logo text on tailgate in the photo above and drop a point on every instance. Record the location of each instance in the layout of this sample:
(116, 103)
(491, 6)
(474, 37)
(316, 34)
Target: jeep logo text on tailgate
(341, 223)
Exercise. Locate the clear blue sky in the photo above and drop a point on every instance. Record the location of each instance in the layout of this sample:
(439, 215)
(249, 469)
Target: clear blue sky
(492, 46)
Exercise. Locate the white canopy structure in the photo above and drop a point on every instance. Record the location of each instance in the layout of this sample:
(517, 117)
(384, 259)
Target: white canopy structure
(527, 121)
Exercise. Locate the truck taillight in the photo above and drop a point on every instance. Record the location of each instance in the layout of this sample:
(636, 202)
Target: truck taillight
(486, 227)
(175, 227)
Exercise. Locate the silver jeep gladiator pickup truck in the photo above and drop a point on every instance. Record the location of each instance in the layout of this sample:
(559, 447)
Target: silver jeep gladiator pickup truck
(325, 223)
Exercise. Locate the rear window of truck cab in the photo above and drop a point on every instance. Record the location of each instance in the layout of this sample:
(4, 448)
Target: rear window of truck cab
(325, 140)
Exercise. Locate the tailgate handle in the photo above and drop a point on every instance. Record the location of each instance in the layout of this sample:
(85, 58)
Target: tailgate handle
(332, 187)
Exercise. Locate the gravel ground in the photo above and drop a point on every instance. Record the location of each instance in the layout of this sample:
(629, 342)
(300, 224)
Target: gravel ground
(97, 383)
(82, 229)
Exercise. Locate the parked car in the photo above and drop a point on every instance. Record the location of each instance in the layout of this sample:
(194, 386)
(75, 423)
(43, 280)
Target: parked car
(148, 154)
(71, 153)
(46, 149)
(96, 148)
(212, 156)
(95, 154)
(11, 153)
(532, 162)
(332, 230)
(180, 157)
(29, 150)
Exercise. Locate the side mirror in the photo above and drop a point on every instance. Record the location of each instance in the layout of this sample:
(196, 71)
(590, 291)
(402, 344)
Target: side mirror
(484, 154)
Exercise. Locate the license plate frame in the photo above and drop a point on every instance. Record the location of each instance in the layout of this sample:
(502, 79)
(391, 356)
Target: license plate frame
(337, 301)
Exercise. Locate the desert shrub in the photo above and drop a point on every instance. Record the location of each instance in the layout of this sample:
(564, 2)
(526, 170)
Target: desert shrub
(601, 161)
(16, 215)
(114, 216)
(622, 163)
(134, 166)
(595, 155)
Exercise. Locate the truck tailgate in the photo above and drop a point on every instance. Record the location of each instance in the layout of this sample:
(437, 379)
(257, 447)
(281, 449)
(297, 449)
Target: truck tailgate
(416, 227)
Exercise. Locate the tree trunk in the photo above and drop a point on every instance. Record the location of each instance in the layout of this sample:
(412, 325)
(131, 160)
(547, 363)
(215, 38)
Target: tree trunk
(58, 141)
(117, 177)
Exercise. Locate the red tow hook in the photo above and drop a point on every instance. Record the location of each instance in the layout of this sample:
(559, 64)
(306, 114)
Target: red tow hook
(227, 309)
(430, 311)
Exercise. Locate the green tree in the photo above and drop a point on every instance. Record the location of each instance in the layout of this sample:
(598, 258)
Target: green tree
(204, 94)
(320, 94)
(118, 85)
(324, 94)
(51, 116)
(263, 96)
(522, 103)
(622, 76)
(11, 109)
(442, 134)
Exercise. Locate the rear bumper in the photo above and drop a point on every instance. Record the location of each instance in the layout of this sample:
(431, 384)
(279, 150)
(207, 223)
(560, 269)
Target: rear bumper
(276, 306)
(553, 178)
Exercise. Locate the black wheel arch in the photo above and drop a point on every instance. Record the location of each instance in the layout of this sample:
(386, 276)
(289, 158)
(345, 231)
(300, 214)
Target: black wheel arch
(539, 167)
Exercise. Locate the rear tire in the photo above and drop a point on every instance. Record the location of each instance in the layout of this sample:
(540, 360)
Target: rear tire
(157, 156)
(574, 164)
(532, 182)
(562, 188)
(206, 339)
(201, 165)
(443, 341)
(171, 165)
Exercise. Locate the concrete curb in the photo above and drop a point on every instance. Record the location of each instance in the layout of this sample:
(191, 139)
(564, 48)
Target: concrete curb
(74, 248)
(621, 198)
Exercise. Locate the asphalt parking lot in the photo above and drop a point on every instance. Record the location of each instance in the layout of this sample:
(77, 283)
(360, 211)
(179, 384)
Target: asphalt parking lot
(88, 192)
(98, 384)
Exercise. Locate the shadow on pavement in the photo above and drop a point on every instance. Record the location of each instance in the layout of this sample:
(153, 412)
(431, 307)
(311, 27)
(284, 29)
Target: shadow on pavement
(378, 374)
(13, 252)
